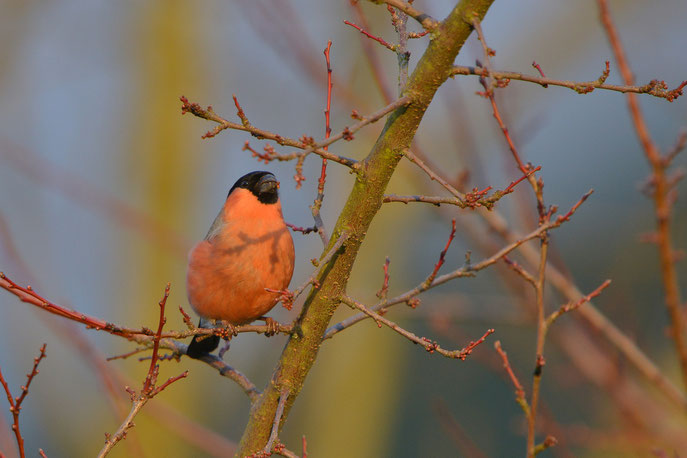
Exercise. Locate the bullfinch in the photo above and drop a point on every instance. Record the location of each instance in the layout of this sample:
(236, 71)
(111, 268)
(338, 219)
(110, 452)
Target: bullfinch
(247, 249)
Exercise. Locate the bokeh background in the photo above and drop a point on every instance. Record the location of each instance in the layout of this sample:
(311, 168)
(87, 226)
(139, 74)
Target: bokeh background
(105, 186)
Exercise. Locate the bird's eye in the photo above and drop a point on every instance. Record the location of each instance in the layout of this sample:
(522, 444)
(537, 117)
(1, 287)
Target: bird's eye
(244, 183)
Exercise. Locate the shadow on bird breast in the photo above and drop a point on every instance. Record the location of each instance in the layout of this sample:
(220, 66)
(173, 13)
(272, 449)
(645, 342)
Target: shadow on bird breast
(272, 247)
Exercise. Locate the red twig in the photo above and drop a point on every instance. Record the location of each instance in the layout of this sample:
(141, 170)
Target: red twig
(513, 184)
(442, 256)
(30, 296)
(655, 88)
(187, 318)
(369, 35)
(569, 307)
(133, 352)
(153, 371)
(317, 204)
(239, 112)
(541, 72)
(572, 210)
(222, 124)
(428, 344)
(519, 390)
(304, 230)
(385, 285)
(520, 270)
(489, 93)
(286, 297)
(15, 403)
(465, 352)
(305, 447)
(471, 198)
(418, 35)
(502, 125)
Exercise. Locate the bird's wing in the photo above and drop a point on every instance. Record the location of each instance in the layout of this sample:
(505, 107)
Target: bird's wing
(216, 227)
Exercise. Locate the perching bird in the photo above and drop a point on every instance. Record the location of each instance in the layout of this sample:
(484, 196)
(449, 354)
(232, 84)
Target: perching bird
(247, 249)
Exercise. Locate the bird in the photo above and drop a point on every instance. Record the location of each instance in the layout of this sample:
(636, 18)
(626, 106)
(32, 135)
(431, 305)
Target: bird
(246, 256)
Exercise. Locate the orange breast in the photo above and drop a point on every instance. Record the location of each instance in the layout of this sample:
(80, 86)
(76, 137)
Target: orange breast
(228, 273)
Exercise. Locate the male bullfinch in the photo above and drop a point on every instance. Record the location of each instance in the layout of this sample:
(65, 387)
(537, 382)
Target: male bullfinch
(247, 249)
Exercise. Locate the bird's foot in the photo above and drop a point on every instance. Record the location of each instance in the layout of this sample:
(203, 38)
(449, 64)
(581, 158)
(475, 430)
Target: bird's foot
(272, 326)
(226, 330)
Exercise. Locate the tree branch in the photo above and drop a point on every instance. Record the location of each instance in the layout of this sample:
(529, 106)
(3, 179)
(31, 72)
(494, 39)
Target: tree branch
(427, 21)
(654, 87)
(317, 148)
(363, 203)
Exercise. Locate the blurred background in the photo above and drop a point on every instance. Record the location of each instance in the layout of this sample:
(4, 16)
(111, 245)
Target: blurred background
(105, 186)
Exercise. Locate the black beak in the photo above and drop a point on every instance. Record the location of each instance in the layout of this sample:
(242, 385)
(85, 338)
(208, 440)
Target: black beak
(267, 183)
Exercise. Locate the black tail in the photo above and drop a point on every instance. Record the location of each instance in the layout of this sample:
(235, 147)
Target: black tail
(201, 345)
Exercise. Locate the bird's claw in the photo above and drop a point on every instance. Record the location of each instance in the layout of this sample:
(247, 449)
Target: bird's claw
(272, 326)
(226, 330)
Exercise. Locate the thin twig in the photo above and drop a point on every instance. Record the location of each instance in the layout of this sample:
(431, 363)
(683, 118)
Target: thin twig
(370, 36)
(570, 306)
(283, 397)
(471, 200)
(429, 345)
(427, 21)
(307, 148)
(520, 270)
(519, 390)
(385, 284)
(541, 339)
(317, 204)
(654, 87)
(442, 255)
(143, 335)
(489, 83)
(15, 403)
(433, 175)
